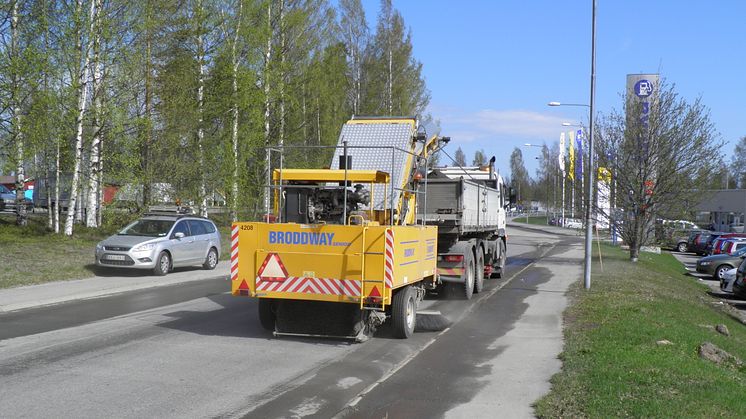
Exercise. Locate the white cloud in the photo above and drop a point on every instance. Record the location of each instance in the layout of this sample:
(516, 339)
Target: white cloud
(490, 123)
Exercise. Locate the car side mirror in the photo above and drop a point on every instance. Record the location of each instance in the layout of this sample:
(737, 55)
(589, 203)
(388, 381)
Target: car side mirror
(179, 235)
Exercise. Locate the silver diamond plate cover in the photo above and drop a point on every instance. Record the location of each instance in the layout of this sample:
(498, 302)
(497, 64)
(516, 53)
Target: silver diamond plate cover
(398, 135)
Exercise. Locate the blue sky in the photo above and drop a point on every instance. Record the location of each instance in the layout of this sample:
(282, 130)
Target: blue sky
(492, 66)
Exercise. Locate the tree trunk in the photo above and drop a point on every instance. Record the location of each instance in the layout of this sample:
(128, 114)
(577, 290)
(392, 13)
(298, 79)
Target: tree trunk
(267, 104)
(234, 131)
(148, 134)
(200, 112)
(283, 76)
(56, 203)
(93, 204)
(82, 101)
(21, 215)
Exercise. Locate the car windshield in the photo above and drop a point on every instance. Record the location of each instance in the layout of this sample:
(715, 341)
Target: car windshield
(3, 189)
(151, 228)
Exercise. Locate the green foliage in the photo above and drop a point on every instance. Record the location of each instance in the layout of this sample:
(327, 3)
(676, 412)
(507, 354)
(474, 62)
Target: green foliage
(322, 68)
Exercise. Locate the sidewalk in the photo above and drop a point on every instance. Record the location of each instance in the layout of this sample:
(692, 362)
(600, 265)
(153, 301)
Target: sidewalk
(20, 298)
(545, 228)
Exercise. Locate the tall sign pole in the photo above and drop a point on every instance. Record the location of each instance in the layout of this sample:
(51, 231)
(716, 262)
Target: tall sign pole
(589, 196)
(562, 168)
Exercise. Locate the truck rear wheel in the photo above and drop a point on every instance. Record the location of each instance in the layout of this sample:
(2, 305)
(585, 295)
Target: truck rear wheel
(267, 315)
(500, 268)
(468, 275)
(479, 272)
(404, 312)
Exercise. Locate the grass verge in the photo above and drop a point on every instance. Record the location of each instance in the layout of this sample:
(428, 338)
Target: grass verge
(32, 255)
(612, 365)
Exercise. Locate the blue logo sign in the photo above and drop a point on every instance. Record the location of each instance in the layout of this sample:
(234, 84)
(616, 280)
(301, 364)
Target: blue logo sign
(643, 88)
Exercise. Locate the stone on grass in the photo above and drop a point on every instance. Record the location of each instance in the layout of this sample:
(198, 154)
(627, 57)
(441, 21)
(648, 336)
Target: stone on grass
(664, 342)
(714, 354)
(722, 329)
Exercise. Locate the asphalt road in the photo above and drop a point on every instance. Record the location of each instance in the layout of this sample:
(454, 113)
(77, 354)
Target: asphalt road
(193, 350)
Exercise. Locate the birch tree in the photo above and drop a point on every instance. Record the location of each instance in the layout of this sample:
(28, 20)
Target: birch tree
(354, 34)
(87, 39)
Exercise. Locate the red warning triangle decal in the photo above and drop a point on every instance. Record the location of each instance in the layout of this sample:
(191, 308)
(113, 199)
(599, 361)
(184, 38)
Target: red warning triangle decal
(272, 269)
(244, 285)
(374, 292)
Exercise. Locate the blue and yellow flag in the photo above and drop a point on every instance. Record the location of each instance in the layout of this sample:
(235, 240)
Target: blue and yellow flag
(571, 169)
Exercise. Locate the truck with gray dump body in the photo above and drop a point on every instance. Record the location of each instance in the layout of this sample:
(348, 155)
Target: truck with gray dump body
(468, 206)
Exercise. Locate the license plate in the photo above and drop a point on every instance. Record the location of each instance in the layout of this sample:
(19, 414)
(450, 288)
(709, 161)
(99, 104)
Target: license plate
(114, 257)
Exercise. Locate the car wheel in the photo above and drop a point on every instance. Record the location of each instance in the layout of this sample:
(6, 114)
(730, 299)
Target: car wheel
(682, 247)
(211, 261)
(162, 264)
(479, 272)
(721, 270)
(404, 312)
(468, 275)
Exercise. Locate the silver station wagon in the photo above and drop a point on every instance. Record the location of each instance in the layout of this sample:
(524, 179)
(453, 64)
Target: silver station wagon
(162, 242)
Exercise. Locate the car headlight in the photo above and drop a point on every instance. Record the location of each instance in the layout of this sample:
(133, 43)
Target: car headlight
(144, 247)
(705, 263)
(99, 246)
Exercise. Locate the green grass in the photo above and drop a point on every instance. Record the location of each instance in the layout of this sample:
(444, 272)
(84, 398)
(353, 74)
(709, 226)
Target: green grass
(612, 365)
(33, 255)
(535, 220)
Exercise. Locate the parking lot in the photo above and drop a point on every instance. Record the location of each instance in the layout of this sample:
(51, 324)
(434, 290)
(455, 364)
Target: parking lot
(689, 261)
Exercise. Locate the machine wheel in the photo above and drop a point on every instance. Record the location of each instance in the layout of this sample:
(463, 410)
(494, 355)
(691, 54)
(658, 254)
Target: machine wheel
(479, 272)
(267, 315)
(468, 275)
(162, 264)
(404, 312)
(211, 261)
(500, 268)
(682, 247)
(720, 272)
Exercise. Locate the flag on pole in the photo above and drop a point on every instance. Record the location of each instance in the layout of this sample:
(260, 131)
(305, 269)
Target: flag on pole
(562, 154)
(579, 147)
(571, 171)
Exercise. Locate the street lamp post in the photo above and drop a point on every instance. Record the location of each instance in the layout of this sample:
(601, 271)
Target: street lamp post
(589, 195)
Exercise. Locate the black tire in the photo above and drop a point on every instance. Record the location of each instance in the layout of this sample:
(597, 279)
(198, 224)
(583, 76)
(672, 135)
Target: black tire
(404, 312)
(499, 270)
(211, 261)
(468, 275)
(479, 272)
(720, 272)
(162, 264)
(267, 314)
(682, 247)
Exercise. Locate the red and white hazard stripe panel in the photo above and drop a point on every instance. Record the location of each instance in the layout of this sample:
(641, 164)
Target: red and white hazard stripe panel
(389, 259)
(306, 285)
(234, 253)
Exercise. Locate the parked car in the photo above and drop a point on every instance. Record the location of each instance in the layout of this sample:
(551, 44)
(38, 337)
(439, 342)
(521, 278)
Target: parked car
(732, 245)
(717, 265)
(715, 246)
(701, 240)
(573, 223)
(162, 242)
(726, 284)
(739, 285)
(8, 200)
(677, 239)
